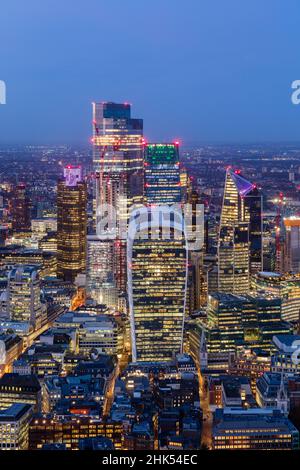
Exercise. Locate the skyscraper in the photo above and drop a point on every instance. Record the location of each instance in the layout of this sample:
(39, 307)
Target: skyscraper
(162, 174)
(20, 209)
(24, 295)
(292, 244)
(157, 279)
(71, 224)
(233, 252)
(118, 163)
(118, 153)
(253, 215)
(101, 285)
(196, 259)
(240, 235)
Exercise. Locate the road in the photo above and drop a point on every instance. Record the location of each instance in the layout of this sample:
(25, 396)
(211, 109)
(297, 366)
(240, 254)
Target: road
(206, 437)
(110, 393)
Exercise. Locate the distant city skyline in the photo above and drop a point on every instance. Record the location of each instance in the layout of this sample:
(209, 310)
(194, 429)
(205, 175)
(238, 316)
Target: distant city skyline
(209, 72)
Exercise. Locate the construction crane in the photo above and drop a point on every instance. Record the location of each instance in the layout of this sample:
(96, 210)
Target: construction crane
(105, 184)
(99, 175)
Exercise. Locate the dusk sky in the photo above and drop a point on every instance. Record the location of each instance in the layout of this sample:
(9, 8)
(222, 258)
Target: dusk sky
(198, 70)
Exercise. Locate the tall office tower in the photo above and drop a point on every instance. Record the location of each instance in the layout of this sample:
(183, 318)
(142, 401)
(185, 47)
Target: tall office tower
(186, 184)
(196, 257)
(20, 209)
(24, 295)
(118, 163)
(292, 244)
(100, 281)
(157, 282)
(240, 236)
(233, 254)
(162, 174)
(71, 224)
(253, 215)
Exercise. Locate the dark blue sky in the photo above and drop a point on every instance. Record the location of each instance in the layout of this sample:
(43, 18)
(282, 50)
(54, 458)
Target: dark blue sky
(201, 70)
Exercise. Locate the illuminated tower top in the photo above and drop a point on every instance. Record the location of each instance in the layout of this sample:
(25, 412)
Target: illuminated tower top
(72, 175)
(162, 173)
(117, 137)
(236, 189)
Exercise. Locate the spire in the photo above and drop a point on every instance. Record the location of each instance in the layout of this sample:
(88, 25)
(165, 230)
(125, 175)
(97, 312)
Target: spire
(282, 396)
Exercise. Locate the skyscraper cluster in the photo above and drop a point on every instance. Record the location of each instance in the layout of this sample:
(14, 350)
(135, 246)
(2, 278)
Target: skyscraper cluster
(149, 300)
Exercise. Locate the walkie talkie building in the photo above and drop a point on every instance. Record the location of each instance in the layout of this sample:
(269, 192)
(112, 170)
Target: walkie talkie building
(157, 276)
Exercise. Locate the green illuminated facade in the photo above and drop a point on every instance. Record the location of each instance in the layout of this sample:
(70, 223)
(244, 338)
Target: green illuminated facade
(162, 174)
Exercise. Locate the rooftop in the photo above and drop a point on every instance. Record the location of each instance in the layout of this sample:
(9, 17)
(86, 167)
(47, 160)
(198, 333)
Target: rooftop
(17, 380)
(14, 412)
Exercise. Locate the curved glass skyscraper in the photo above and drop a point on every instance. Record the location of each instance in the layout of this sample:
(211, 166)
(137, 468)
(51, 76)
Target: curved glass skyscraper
(157, 276)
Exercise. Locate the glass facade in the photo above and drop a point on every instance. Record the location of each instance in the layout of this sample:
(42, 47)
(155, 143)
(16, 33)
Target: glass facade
(118, 152)
(71, 229)
(162, 174)
(240, 235)
(157, 276)
(118, 163)
(24, 292)
(236, 321)
(20, 209)
(101, 285)
(284, 286)
(292, 244)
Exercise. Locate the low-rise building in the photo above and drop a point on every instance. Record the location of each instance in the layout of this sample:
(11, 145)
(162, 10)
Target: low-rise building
(69, 430)
(16, 388)
(14, 426)
(286, 357)
(253, 429)
(271, 392)
(99, 333)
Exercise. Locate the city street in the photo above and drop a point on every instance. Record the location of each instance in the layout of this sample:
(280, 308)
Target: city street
(206, 438)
